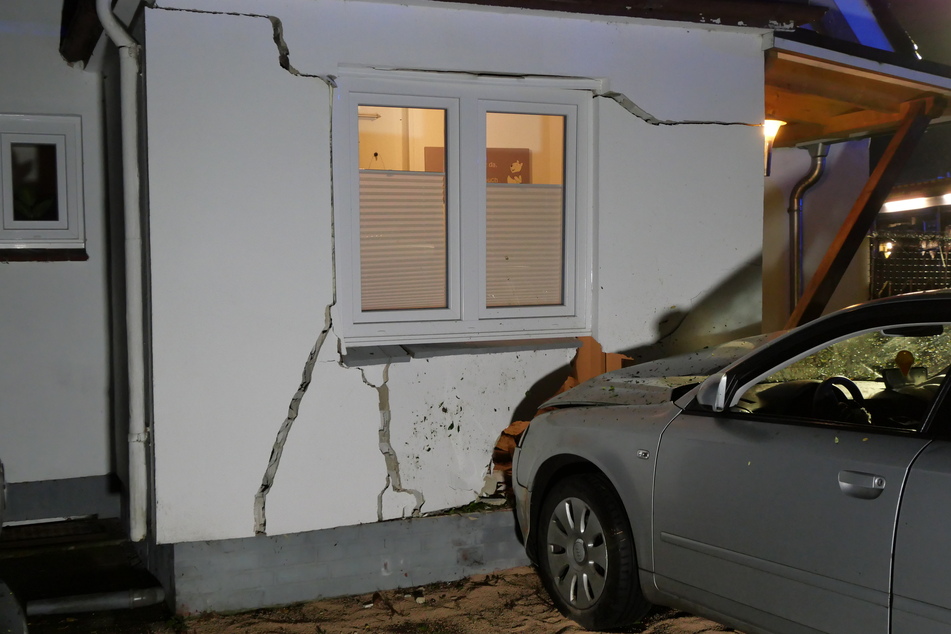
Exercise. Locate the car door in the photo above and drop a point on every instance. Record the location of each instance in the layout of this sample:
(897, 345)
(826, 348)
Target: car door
(788, 526)
(779, 510)
(922, 603)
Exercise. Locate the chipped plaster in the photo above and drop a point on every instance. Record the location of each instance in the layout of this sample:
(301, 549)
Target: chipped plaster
(394, 480)
(451, 412)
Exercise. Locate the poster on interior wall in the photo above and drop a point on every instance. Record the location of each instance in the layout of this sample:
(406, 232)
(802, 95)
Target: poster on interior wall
(502, 165)
(508, 165)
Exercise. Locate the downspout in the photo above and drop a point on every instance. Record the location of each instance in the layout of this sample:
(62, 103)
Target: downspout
(129, 70)
(818, 152)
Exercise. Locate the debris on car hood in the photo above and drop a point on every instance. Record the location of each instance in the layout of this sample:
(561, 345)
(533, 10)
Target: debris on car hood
(654, 382)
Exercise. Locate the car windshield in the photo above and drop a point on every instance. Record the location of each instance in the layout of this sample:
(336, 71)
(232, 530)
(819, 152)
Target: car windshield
(901, 355)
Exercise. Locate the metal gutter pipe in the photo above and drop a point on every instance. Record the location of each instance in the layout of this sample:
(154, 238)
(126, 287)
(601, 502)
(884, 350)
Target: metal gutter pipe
(121, 600)
(818, 152)
(129, 71)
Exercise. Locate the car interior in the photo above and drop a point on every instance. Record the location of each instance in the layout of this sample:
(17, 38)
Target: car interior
(885, 378)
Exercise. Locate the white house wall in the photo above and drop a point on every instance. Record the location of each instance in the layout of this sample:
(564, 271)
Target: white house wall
(54, 381)
(241, 239)
(678, 231)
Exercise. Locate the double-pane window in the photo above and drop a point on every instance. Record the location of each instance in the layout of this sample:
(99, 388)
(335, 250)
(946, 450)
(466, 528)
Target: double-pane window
(462, 210)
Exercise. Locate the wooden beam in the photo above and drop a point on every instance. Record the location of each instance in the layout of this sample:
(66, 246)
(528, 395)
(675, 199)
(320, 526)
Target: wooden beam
(839, 85)
(853, 125)
(816, 297)
(800, 108)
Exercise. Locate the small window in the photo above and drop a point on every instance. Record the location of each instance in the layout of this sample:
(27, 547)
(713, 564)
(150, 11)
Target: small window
(462, 209)
(40, 182)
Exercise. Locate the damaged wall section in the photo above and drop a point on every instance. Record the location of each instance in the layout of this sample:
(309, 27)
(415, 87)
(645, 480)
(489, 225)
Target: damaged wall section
(239, 297)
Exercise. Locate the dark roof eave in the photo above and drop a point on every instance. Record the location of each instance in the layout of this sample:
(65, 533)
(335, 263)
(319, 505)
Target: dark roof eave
(881, 56)
(743, 13)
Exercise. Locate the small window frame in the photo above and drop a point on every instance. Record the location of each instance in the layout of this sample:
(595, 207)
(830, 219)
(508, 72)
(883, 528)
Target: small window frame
(349, 232)
(570, 285)
(466, 99)
(64, 132)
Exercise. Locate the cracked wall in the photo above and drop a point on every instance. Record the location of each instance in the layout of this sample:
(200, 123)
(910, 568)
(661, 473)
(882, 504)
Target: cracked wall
(241, 239)
(452, 410)
(240, 259)
(394, 475)
(697, 243)
(666, 80)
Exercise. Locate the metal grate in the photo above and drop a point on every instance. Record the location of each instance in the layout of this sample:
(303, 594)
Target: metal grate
(908, 262)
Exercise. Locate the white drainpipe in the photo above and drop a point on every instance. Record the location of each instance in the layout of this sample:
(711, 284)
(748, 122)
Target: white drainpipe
(129, 71)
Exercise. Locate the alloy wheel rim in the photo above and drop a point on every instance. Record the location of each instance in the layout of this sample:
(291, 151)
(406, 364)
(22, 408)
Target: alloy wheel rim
(577, 553)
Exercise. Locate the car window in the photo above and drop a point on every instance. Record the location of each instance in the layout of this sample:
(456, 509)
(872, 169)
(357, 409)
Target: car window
(884, 378)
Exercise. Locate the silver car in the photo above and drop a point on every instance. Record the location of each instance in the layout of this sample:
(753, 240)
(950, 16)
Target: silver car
(797, 483)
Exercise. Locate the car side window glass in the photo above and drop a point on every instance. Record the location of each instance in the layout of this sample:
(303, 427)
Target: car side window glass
(884, 378)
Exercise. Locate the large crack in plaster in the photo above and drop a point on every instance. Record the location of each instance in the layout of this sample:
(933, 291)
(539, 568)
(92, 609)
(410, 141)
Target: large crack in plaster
(625, 102)
(267, 481)
(277, 29)
(393, 478)
(260, 498)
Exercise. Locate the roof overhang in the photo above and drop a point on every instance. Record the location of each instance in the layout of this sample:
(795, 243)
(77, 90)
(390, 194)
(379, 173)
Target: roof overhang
(827, 95)
(783, 15)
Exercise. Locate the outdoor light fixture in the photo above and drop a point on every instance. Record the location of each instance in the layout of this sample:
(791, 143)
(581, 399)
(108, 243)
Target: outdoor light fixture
(770, 130)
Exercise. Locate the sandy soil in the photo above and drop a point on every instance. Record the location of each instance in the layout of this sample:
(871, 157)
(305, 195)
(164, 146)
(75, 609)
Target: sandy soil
(508, 601)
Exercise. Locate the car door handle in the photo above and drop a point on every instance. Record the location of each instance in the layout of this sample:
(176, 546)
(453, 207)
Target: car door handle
(866, 486)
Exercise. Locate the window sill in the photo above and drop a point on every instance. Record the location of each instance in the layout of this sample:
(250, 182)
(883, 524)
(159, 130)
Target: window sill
(43, 255)
(371, 355)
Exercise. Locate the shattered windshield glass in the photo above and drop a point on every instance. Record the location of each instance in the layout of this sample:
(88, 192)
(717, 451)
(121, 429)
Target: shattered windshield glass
(906, 355)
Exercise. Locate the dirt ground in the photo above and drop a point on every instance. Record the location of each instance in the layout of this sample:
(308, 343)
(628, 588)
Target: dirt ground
(508, 601)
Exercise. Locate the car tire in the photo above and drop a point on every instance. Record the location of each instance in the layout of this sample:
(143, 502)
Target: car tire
(586, 555)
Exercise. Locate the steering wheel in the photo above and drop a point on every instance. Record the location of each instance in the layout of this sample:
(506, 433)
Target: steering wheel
(830, 402)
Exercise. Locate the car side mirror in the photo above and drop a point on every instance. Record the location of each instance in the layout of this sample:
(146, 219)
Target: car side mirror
(712, 392)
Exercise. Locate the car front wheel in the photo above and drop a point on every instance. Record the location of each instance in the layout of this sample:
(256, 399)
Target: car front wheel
(586, 554)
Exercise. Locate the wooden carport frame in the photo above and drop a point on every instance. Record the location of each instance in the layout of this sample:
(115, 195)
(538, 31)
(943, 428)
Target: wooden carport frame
(817, 293)
(826, 96)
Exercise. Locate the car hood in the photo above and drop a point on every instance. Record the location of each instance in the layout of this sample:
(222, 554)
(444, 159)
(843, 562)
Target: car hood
(654, 382)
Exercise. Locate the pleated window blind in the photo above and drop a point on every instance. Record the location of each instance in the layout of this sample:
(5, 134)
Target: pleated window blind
(402, 240)
(524, 245)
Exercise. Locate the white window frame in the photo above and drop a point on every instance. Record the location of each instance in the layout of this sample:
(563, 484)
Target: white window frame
(466, 99)
(65, 133)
